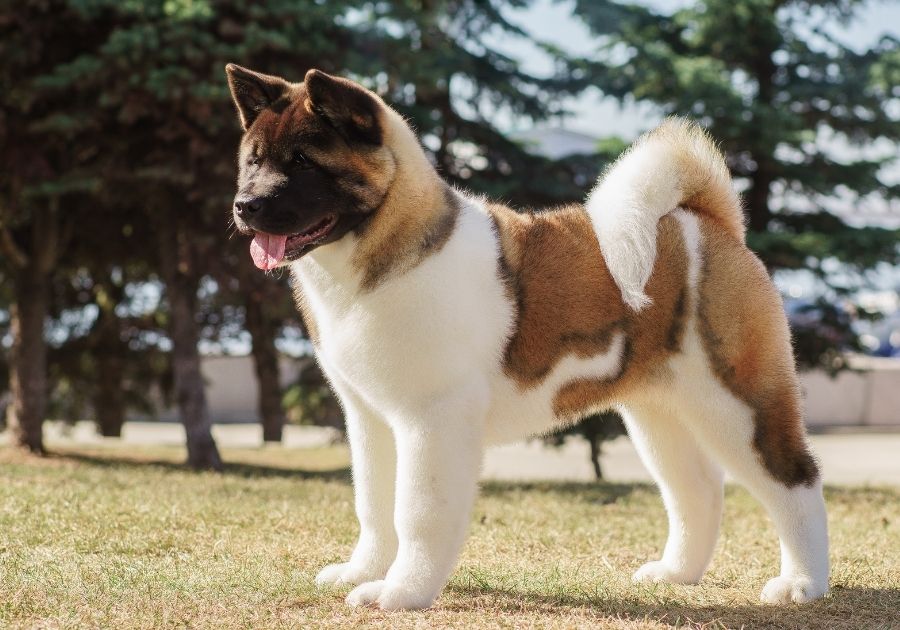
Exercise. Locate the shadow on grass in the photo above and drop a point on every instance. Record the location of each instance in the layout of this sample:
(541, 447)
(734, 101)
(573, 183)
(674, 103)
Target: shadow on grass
(590, 491)
(237, 469)
(602, 492)
(842, 608)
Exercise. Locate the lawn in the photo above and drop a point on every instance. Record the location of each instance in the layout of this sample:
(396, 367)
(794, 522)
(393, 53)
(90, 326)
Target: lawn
(108, 537)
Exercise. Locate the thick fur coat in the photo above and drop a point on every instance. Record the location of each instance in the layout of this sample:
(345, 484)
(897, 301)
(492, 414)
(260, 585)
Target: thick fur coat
(446, 323)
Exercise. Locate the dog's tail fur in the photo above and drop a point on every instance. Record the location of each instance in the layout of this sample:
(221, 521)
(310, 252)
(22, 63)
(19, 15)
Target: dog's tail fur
(677, 164)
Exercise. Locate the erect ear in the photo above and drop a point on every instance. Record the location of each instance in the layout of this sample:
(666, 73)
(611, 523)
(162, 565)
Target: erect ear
(253, 92)
(350, 108)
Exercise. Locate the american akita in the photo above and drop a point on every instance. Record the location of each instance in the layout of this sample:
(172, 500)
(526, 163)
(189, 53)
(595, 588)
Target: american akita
(446, 323)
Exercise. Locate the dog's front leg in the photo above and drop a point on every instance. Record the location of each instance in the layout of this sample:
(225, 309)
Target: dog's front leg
(374, 466)
(438, 460)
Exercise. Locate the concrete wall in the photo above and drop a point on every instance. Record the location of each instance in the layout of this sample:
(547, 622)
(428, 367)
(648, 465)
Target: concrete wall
(231, 389)
(868, 397)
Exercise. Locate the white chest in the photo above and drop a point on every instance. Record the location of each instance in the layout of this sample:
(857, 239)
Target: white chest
(417, 335)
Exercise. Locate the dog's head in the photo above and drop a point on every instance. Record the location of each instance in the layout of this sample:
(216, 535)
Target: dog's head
(313, 162)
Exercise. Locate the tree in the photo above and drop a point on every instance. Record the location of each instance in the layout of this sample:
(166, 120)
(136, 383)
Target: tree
(430, 60)
(247, 300)
(121, 109)
(5, 303)
(792, 107)
(38, 172)
(160, 129)
(265, 303)
(595, 429)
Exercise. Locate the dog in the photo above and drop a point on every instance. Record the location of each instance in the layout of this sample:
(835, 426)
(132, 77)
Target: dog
(446, 323)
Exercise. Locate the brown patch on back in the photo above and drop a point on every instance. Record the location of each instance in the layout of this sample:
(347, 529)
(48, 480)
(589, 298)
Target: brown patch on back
(568, 303)
(746, 336)
(652, 335)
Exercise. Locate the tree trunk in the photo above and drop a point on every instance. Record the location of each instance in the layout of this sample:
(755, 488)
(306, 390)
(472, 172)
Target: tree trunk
(757, 198)
(596, 449)
(32, 271)
(109, 402)
(28, 359)
(263, 329)
(761, 181)
(190, 391)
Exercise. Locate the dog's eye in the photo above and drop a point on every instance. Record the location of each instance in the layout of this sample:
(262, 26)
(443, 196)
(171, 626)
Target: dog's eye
(301, 160)
(254, 160)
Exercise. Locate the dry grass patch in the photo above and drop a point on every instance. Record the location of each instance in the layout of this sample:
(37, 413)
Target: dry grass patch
(101, 538)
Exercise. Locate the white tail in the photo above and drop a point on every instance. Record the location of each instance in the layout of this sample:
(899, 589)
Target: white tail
(677, 164)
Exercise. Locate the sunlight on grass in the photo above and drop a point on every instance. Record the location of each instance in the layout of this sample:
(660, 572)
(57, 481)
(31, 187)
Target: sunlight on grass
(99, 537)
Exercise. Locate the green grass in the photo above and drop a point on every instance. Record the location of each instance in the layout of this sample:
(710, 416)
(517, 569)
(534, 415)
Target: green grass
(101, 538)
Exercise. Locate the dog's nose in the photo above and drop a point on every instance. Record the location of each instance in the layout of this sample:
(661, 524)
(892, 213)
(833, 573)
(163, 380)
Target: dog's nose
(247, 206)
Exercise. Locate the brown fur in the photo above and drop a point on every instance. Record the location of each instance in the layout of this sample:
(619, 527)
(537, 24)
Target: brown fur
(745, 333)
(366, 173)
(403, 235)
(568, 303)
(412, 211)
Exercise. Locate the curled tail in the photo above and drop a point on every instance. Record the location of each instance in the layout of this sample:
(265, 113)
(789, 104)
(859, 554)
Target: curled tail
(677, 164)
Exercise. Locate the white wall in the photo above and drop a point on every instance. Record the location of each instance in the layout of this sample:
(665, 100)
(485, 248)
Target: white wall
(231, 389)
(868, 397)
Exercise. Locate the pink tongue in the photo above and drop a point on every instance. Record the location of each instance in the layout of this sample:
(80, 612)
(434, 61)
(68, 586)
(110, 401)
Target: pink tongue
(267, 250)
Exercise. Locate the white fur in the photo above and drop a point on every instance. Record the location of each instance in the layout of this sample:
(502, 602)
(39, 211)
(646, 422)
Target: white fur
(422, 351)
(662, 170)
(516, 412)
(625, 208)
(684, 430)
(417, 365)
(420, 358)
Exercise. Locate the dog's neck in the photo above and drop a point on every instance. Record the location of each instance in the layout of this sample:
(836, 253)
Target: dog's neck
(416, 209)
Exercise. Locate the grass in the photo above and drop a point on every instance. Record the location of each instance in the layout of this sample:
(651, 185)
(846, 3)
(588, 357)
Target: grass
(108, 537)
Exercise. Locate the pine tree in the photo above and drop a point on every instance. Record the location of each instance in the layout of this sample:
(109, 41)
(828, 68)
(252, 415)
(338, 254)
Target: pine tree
(124, 106)
(38, 173)
(429, 59)
(114, 111)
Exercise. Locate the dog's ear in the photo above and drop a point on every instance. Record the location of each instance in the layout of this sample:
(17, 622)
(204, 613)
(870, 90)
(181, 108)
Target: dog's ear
(350, 108)
(253, 92)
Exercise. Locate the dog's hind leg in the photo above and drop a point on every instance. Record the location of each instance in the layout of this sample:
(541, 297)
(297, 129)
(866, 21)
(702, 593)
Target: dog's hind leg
(737, 377)
(779, 472)
(691, 487)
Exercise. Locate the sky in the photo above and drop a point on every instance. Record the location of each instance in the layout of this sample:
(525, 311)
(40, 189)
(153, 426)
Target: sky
(552, 21)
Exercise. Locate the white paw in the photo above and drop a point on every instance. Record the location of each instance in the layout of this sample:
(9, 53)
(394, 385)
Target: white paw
(366, 593)
(346, 573)
(660, 571)
(388, 596)
(786, 589)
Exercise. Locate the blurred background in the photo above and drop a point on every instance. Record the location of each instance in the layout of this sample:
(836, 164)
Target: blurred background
(127, 305)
